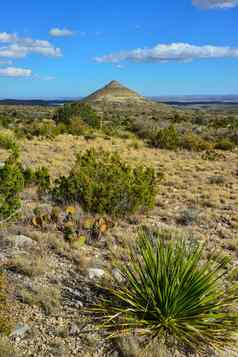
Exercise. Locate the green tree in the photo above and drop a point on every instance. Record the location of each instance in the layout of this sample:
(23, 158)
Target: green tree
(81, 110)
(11, 184)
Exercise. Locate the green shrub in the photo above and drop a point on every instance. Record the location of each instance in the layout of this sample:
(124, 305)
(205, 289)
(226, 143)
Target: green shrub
(29, 176)
(11, 184)
(172, 297)
(39, 177)
(79, 110)
(8, 142)
(224, 144)
(90, 136)
(167, 138)
(42, 178)
(102, 183)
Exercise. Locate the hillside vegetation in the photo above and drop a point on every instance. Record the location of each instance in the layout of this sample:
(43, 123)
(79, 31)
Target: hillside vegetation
(118, 218)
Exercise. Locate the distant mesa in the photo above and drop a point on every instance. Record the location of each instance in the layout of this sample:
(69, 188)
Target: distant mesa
(113, 91)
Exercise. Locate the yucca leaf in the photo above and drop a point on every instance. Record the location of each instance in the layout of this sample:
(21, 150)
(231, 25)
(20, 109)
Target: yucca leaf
(171, 293)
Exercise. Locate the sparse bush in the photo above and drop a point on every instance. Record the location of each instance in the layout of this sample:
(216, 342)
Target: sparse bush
(90, 136)
(224, 144)
(195, 142)
(212, 155)
(6, 348)
(102, 183)
(172, 297)
(76, 126)
(167, 138)
(217, 180)
(5, 121)
(44, 129)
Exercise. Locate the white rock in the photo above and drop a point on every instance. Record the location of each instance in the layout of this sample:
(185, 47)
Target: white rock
(95, 273)
(116, 273)
(2, 258)
(20, 241)
(20, 330)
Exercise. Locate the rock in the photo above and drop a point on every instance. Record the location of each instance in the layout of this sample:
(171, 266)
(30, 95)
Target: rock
(20, 241)
(2, 164)
(73, 330)
(2, 258)
(20, 330)
(95, 273)
(116, 273)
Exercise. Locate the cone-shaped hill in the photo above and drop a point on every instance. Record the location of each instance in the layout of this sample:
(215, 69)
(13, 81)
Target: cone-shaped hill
(114, 91)
(117, 103)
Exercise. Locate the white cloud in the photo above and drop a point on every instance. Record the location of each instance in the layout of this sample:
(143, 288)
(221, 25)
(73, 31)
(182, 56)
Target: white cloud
(215, 4)
(5, 62)
(15, 72)
(120, 66)
(19, 47)
(57, 32)
(48, 78)
(170, 52)
(43, 78)
(7, 37)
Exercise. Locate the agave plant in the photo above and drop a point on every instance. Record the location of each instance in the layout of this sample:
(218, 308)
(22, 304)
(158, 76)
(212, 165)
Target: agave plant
(171, 295)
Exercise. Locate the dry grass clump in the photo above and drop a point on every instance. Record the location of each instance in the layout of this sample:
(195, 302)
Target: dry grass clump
(5, 316)
(189, 216)
(28, 264)
(47, 298)
(52, 241)
(6, 348)
(217, 180)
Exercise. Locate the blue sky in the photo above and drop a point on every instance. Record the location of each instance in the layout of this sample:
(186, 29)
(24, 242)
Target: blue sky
(70, 48)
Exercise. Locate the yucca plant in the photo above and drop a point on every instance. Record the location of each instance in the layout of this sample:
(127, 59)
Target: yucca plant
(171, 296)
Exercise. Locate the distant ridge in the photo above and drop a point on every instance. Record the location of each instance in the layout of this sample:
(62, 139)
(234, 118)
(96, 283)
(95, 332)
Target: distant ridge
(113, 91)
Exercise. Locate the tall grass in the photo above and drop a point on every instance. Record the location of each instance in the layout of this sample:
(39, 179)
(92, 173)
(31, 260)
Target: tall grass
(171, 296)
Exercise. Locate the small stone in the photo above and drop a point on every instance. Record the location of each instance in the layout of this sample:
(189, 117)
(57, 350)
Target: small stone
(116, 273)
(73, 330)
(2, 258)
(20, 241)
(2, 164)
(20, 330)
(95, 273)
